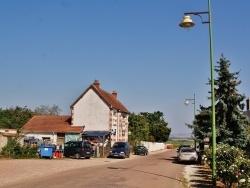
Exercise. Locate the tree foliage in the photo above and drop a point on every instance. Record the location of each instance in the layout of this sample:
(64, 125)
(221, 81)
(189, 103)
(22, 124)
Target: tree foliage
(47, 110)
(158, 129)
(138, 128)
(14, 118)
(232, 125)
(148, 127)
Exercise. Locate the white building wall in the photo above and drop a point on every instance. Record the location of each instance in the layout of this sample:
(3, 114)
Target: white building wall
(40, 136)
(12, 131)
(90, 111)
(153, 146)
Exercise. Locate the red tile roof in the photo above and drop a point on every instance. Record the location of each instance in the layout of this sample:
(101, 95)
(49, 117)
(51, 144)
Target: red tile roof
(108, 98)
(58, 124)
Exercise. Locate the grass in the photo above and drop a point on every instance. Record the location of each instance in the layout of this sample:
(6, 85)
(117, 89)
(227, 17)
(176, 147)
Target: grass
(177, 143)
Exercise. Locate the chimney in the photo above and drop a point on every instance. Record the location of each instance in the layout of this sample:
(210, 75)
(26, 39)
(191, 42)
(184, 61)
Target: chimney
(97, 84)
(248, 104)
(114, 93)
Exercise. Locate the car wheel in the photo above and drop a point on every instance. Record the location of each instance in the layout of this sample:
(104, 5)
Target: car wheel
(87, 157)
(77, 156)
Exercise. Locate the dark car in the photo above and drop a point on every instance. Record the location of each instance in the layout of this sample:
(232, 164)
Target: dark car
(120, 150)
(78, 149)
(141, 150)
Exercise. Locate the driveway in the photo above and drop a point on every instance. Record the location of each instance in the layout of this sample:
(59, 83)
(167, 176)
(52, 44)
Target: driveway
(14, 170)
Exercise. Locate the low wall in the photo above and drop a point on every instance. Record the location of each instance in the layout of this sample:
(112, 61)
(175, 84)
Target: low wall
(154, 146)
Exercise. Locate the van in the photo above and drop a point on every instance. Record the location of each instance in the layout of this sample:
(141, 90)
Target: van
(120, 150)
(78, 149)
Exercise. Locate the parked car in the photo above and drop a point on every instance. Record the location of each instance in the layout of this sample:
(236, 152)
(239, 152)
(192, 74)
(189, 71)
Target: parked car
(120, 150)
(182, 146)
(187, 154)
(78, 149)
(141, 150)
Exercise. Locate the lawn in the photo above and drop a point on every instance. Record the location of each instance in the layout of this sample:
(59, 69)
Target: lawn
(177, 143)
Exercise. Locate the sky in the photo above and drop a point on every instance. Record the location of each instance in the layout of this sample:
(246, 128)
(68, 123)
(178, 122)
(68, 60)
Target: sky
(51, 51)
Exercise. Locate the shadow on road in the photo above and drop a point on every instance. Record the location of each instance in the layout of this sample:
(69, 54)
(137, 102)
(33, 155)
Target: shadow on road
(202, 178)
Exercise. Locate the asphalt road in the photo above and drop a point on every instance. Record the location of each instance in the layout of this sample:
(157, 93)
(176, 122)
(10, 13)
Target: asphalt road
(157, 170)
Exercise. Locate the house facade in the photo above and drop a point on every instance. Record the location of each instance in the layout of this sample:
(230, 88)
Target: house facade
(98, 110)
(95, 115)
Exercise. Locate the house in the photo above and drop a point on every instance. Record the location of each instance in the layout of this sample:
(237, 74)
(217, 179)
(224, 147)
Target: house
(51, 130)
(96, 115)
(247, 112)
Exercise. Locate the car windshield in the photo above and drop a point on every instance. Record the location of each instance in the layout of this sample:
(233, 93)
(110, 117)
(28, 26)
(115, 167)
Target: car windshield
(66, 144)
(87, 145)
(117, 145)
(139, 147)
(188, 150)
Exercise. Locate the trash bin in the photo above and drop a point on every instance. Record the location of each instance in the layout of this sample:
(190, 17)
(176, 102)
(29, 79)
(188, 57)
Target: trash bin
(46, 151)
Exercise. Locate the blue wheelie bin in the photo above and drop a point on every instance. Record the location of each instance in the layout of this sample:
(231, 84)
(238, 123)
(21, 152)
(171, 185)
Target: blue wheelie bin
(46, 151)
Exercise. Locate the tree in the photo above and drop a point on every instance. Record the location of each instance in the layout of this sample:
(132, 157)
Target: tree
(138, 128)
(47, 110)
(232, 125)
(201, 127)
(15, 118)
(158, 130)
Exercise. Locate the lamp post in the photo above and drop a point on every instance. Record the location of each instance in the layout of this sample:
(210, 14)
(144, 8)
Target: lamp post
(187, 23)
(187, 103)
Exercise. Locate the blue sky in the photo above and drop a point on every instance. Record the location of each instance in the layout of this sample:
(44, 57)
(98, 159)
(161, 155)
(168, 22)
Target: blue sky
(51, 51)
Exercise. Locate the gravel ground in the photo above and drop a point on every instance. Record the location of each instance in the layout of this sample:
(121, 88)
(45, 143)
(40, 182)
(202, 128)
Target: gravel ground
(21, 169)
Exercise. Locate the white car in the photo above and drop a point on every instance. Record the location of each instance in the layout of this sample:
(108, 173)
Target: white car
(187, 154)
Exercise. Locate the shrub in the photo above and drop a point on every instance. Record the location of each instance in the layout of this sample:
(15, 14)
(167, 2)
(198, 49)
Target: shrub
(232, 165)
(14, 150)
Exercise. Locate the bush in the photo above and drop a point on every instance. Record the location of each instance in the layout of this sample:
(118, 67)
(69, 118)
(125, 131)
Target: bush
(232, 165)
(14, 150)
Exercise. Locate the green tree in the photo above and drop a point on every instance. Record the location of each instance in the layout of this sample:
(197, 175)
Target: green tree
(201, 127)
(15, 118)
(158, 130)
(232, 125)
(47, 110)
(138, 128)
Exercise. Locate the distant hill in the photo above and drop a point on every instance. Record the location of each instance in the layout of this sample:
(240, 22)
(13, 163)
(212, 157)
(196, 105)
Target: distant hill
(180, 137)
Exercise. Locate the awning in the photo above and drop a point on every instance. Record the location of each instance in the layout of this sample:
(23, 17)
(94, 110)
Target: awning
(95, 133)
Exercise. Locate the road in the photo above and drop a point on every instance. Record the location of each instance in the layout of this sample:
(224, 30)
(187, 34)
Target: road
(156, 170)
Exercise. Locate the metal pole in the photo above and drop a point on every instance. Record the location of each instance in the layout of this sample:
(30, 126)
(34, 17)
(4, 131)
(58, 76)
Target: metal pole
(212, 99)
(194, 106)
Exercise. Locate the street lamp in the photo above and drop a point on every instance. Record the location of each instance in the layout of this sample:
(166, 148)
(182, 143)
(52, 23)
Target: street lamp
(187, 103)
(187, 23)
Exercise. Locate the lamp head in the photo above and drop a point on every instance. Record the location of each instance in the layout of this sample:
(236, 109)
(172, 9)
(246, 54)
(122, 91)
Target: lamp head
(187, 22)
(186, 102)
